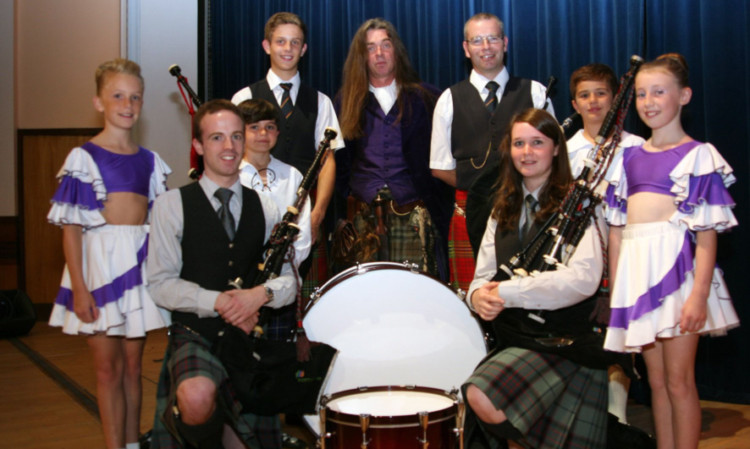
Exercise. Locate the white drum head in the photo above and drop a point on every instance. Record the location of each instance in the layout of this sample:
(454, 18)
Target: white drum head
(390, 403)
(393, 326)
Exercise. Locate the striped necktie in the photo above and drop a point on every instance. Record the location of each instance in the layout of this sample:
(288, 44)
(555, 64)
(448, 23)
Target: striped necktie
(529, 214)
(286, 101)
(491, 101)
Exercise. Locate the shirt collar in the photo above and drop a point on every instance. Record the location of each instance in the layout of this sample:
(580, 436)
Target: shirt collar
(209, 188)
(386, 96)
(273, 81)
(479, 81)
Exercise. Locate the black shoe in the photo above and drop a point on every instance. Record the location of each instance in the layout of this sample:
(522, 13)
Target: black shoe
(290, 442)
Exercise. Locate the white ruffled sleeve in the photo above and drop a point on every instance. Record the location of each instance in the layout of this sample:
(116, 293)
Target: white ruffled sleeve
(79, 197)
(616, 196)
(700, 186)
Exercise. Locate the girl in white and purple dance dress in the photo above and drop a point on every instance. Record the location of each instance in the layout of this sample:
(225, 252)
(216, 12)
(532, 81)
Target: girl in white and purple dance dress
(106, 189)
(668, 200)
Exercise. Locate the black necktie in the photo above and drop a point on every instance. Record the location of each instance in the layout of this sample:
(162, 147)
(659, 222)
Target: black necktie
(491, 101)
(286, 101)
(529, 214)
(225, 215)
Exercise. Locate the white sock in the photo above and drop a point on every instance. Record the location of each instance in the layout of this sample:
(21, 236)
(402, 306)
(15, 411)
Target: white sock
(132, 445)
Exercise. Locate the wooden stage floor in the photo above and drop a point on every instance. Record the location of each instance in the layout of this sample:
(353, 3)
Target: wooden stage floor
(47, 392)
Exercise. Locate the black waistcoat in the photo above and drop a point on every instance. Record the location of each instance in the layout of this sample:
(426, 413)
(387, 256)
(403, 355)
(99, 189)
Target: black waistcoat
(208, 257)
(475, 131)
(296, 145)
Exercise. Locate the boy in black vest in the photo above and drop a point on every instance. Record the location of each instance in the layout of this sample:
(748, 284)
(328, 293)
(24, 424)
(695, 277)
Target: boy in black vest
(305, 112)
(470, 119)
(204, 235)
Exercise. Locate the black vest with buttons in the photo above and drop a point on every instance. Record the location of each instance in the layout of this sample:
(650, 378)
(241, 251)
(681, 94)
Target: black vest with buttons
(296, 145)
(208, 257)
(475, 131)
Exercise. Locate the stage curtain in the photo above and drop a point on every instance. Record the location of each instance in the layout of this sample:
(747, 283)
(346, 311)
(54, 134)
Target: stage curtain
(547, 38)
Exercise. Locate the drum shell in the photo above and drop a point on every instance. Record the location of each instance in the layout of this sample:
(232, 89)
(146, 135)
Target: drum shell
(390, 430)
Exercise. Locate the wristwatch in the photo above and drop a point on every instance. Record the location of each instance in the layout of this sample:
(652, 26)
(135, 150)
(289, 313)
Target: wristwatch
(269, 293)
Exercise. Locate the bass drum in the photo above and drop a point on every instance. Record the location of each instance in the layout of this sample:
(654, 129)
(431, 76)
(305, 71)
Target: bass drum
(393, 325)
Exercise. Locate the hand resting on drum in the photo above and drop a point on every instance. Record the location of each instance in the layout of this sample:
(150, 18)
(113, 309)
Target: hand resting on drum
(486, 301)
(240, 307)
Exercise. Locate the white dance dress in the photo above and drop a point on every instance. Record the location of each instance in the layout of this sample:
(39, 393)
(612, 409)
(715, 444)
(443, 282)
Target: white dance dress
(655, 269)
(114, 256)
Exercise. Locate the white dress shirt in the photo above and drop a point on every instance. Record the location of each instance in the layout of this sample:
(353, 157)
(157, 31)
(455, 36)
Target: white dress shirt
(283, 181)
(549, 290)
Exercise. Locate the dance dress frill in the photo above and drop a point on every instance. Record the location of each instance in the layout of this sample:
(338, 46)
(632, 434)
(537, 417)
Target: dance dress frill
(655, 269)
(114, 256)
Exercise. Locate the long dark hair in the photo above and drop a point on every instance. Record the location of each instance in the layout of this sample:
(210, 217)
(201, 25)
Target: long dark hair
(509, 195)
(356, 81)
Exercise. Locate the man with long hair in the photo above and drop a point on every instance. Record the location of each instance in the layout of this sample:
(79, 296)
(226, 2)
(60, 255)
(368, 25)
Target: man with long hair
(386, 119)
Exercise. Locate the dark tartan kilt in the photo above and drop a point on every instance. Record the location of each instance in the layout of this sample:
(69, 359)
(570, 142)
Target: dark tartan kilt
(188, 355)
(552, 401)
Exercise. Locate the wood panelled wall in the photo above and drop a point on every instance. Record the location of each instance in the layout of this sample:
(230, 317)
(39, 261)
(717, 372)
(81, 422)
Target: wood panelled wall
(41, 153)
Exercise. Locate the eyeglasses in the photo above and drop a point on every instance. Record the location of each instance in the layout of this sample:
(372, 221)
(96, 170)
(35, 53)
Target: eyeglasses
(477, 41)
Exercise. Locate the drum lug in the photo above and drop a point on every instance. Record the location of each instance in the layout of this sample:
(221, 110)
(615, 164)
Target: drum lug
(424, 421)
(461, 294)
(364, 424)
(413, 267)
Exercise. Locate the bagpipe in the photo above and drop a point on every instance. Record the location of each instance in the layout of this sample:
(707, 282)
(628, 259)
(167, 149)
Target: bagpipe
(575, 332)
(196, 160)
(556, 241)
(271, 377)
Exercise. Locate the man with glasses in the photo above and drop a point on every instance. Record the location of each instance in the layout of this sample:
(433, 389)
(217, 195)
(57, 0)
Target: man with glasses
(467, 131)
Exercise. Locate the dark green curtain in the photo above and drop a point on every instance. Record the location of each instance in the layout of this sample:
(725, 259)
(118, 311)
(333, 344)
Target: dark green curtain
(547, 38)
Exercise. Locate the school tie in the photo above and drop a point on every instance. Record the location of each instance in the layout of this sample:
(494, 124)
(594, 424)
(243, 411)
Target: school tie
(225, 215)
(286, 101)
(491, 101)
(529, 214)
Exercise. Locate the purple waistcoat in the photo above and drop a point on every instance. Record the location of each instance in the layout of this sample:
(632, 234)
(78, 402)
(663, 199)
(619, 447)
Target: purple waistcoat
(380, 162)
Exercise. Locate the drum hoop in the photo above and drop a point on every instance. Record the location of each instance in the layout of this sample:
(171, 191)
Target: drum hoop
(367, 267)
(397, 421)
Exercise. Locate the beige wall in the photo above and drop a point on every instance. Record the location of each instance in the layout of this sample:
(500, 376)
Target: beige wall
(58, 46)
(48, 54)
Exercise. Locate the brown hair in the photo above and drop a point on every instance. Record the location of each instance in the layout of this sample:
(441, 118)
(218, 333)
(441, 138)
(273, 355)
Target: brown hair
(113, 67)
(673, 63)
(483, 16)
(356, 80)
(257, 109)
(593, 72)
(509, 195)
(208, 108)
(282, 18)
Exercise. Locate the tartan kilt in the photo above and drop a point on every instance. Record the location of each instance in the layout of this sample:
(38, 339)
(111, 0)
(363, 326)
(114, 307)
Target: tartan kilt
(460, 254)
(552, 401)
(411, 235)
(189, 355)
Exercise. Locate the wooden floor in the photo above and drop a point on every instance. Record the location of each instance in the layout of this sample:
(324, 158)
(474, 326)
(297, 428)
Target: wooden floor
(47, 392)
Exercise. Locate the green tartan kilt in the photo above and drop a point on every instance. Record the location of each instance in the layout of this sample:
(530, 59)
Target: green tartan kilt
(189, 355)
(552, 401)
